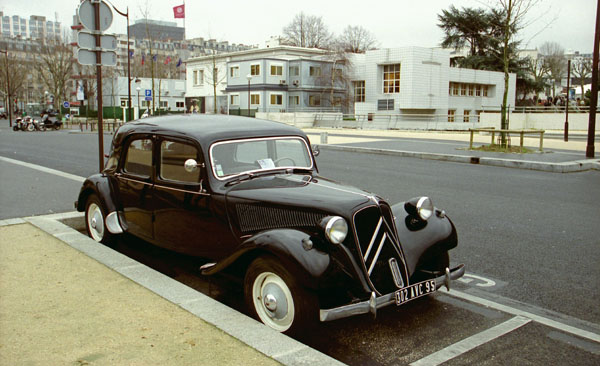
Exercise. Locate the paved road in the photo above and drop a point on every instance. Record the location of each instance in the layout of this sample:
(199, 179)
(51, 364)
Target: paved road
(534, 235)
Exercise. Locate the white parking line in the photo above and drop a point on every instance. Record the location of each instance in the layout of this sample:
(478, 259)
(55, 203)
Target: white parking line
(536, 318)
(473, 341)
(44, 169)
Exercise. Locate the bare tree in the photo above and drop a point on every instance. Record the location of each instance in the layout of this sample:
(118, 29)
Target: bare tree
(538, 69)
(216, 73)
(514, 13)
(581, 68)
(54, 66)
(307, 31)
(356, 39)
(16, 71)
(554, 57)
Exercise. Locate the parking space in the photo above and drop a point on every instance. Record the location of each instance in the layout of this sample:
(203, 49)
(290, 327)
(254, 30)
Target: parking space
(450, 328)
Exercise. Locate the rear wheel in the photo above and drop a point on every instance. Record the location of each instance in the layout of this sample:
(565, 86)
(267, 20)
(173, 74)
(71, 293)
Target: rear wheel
(95, 221)
(274, 297)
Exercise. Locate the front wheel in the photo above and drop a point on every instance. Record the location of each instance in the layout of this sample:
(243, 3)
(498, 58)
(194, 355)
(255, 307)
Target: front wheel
(95, 221)
(273, 297)
(30, 127)
(15, 128)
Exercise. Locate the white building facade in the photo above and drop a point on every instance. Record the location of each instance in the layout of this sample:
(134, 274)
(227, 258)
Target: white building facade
(418, 83)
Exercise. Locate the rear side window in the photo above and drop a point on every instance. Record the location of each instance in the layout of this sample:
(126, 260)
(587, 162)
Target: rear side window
(139, 158)
(172, 159)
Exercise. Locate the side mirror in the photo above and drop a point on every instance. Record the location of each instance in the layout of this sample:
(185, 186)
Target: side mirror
(191, 165)
(315, 150)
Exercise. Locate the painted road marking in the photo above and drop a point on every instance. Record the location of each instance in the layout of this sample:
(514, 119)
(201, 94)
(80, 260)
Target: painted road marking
(536, 318)
(472, 342)
(44, 169)
(482, 281)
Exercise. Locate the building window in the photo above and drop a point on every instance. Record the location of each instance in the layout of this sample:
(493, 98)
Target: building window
(294, 71)
(451, 115)
(485, 90)
(455, 88)
(255, 99)
(234, 99)
(234, 71)
(477, 90)
(471, 87)
(255, 70)
(179, 104)
(294, 100)
(463, 89)
(276, 99)
(315, 71)
(198, 77)
(276, 70)
(385, 105)
(391, 78)
(359, 91)
(314, 100)
(466, 115)
(163, 104)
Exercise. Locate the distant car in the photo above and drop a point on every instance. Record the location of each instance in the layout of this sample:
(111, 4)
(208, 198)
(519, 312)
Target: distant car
(246, 195)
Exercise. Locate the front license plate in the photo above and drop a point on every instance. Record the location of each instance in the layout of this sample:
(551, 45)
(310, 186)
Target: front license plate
(414, 291)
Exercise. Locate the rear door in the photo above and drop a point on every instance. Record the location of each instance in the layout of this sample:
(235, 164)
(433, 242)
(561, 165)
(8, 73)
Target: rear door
(135, 185)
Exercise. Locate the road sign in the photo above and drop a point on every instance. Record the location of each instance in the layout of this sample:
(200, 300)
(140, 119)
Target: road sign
(87, 18)
(108, 42)
(66, 104)
(148, 98)
(87, 57)
(148, 93)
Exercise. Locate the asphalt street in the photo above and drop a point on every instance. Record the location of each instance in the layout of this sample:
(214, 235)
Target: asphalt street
(529, 240)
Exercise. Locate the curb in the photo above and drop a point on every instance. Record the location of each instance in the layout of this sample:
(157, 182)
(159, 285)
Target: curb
(267, 341)
(566, 167)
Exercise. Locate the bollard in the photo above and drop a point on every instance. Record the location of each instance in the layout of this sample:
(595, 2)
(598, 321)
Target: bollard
(323, 137)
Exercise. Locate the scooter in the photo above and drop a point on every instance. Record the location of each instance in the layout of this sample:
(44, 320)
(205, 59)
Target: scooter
(48, 123)
(37, 125)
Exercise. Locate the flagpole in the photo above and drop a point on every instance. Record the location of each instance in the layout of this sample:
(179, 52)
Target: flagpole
(184, 20)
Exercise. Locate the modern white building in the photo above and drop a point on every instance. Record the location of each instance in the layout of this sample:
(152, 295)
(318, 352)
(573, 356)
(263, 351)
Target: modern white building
(418, 83)
(36, 27)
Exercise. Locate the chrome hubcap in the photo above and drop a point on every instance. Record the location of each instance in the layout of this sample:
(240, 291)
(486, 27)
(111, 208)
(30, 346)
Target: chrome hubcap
(270, 302)
(273, 301)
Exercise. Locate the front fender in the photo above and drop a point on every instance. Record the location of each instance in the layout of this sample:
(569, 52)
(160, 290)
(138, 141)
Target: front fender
(426, 239)
(306, 266)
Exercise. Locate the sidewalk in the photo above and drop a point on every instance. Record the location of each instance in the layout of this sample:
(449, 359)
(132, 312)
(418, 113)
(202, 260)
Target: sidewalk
(557, 156)
(66, 300)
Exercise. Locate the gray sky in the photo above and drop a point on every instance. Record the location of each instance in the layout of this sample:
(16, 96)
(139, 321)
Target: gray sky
(395, 23)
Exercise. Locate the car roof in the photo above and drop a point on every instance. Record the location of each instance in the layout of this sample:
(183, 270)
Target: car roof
(207, 128)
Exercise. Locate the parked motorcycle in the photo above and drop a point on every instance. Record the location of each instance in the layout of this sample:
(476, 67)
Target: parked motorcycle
(37, 125)
(24, 124)
(50, 123)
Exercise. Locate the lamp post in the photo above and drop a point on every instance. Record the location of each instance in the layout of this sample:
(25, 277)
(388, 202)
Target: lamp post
(8, 89)
(566, 132)
(249, 77)
(138, 92)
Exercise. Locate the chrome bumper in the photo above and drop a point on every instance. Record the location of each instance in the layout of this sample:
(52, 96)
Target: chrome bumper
(374, 303)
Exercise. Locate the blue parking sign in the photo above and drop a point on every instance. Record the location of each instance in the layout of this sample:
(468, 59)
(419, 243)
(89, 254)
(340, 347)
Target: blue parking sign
(148, 92)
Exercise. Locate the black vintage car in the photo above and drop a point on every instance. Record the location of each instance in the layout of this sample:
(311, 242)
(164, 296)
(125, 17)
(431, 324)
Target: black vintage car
(246, 195)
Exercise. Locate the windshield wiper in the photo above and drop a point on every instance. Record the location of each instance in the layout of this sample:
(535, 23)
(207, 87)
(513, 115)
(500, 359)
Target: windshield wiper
(248, 176)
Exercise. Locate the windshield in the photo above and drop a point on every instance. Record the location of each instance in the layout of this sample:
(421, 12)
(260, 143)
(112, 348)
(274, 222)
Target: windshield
(231, 158)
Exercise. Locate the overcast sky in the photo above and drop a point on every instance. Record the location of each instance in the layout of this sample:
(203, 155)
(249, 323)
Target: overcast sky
(395, 23)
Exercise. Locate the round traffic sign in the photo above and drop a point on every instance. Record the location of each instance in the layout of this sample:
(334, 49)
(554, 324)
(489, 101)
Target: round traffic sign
(66, 104)
(87, 18)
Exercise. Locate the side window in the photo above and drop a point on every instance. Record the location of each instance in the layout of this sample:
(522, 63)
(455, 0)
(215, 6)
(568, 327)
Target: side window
(172, 158)
(139, 158)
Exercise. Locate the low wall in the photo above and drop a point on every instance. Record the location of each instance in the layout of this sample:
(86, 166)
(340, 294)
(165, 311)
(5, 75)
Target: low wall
(540, 121)
(298, 119)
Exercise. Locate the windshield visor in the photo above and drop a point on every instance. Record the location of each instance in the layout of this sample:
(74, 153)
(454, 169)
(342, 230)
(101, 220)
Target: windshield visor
(232, 158)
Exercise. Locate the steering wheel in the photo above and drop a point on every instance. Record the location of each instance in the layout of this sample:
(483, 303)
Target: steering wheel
(277, 161)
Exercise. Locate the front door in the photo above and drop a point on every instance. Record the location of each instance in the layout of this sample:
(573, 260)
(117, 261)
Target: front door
(184, 219)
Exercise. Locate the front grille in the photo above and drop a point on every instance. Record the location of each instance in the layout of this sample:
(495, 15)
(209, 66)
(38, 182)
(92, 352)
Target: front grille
(256, 218)
(376, 241)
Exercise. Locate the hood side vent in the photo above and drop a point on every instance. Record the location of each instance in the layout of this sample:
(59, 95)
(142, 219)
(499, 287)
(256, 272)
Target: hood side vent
(257, 218)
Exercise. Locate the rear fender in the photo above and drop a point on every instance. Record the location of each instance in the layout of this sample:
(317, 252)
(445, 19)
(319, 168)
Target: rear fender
(307, 266)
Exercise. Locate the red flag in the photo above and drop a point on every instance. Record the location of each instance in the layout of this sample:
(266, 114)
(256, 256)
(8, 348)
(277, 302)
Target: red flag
(167, 60)
(179, 11)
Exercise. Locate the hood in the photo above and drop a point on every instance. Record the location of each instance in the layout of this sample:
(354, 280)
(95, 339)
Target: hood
(304, 192)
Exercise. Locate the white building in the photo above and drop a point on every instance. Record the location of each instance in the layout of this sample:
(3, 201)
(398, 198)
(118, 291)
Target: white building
(36, 27)
(419, 83)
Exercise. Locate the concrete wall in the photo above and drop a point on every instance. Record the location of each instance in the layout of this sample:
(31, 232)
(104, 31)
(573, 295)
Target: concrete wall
(543, 121)
(300, 120)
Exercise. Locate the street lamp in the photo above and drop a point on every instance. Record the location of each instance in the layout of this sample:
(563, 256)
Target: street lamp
(249, 77)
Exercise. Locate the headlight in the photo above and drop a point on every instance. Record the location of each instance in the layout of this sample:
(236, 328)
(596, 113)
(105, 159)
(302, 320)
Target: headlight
(335, 228)
(420, 206)
(425, 208)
